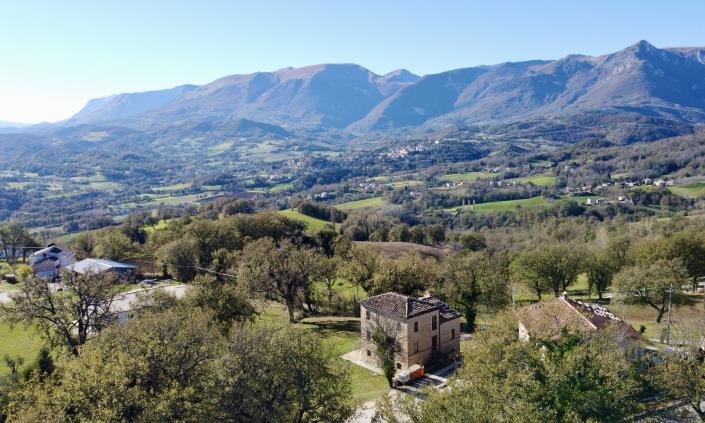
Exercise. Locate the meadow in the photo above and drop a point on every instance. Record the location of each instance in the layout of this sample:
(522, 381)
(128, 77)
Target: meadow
(467, 176)
(690, 190)
(374, 202)
(312, 224)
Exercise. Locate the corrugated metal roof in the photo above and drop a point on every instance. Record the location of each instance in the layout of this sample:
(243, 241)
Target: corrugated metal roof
(92, 265)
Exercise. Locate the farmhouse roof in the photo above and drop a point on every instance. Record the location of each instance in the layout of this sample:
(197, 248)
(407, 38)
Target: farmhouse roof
(548, 318)
(404, 306)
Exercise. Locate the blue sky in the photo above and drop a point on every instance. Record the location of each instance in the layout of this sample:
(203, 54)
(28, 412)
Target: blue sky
(55, 55)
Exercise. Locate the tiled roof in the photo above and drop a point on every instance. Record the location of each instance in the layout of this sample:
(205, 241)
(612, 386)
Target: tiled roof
(598, 315)
(548, 318)
(404, 307)
(446, 312)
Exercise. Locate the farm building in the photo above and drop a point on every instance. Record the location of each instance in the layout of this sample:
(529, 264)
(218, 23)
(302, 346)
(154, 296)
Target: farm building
(49, 261)
(547, 319)
(95, 266)
(426, 329)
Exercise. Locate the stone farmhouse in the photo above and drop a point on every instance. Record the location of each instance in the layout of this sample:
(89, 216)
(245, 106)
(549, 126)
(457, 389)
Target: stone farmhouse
(426, 329)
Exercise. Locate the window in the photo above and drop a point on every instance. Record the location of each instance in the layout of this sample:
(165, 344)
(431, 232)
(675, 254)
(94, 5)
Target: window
(416, 326)
(367, 314)
(369, 335)
(398, 366)
(434, 343)
(452, 333)
(434, 323)
(416, 348)
(369, 353)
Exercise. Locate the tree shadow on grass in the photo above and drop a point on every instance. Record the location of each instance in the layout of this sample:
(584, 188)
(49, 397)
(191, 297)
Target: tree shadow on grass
(330, 326)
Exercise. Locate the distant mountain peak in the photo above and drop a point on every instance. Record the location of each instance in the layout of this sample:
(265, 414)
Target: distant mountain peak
(401, 75)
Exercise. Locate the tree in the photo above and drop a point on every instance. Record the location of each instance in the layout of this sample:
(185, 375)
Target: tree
(24, 272)
(329, 274)
(687, 247)
(358, 266)
(680, 376)
(473, 280)
(436, 234)
(153, 368)
(211, 236)
(387, 346)
(67, 318)
(303, 381)
(283, 272)
(410, 274)
(651, 283)
(507, 380)
(13, 237)
(175, 365)
(180, 257)
(600, 269)
(549, 268)
(114, 245)
(473, 241)
(399, 233)
(223, 298)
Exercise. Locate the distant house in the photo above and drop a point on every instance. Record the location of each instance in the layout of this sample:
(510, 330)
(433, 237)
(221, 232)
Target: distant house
(49, 261)
(594, 201)
(96, 266)
(546, 319)
(427, 329)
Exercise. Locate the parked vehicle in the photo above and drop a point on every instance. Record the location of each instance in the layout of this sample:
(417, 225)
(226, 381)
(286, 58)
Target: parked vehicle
(405, 376)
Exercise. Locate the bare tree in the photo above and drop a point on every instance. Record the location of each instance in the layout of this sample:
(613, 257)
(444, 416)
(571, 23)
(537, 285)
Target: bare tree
(283, 271)
(67, 317)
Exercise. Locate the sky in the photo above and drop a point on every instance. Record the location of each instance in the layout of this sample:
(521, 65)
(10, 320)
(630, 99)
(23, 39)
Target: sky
(56, 55)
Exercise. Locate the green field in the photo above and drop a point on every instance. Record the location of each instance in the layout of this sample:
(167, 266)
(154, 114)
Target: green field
(467, 176)
(508, 205)
(17, 342)
(312, 224)
(175, 187)
(340, 335)
(374, 202)
(539, 180)
(689, 191)
(273, 189)
(404, 184)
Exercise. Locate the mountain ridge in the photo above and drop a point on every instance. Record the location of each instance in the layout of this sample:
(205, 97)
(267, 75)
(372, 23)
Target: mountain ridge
(640, 80)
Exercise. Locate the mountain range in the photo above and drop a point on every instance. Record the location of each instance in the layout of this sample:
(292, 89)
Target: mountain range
(640, 80)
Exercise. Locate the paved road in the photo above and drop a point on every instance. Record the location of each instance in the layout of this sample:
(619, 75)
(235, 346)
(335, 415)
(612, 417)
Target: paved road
(123, 302)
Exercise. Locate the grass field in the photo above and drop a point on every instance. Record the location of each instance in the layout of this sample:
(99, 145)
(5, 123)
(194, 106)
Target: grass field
(17, 342)
(689, 191)
(312, 224)
(340, 335)
(275, 188)
(467, 176)
(539, 180)
(373, 202)
(404, 184)
(508, 205)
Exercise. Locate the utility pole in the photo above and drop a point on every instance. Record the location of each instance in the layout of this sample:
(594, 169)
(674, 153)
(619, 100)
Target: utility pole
(668, 325)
